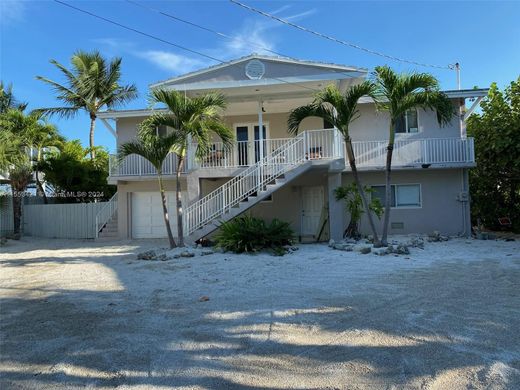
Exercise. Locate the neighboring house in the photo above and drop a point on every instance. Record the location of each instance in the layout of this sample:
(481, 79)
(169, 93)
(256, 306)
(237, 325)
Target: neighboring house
(295, 179)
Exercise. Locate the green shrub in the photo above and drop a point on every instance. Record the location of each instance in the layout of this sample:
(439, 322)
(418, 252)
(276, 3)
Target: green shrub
(250, 234)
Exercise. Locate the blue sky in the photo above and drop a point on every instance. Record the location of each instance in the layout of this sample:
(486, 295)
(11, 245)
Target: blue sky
(483, 36)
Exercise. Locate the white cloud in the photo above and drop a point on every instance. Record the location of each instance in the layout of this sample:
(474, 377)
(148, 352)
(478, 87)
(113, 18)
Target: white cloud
(11, 11)
(255, 35)
(172, 62)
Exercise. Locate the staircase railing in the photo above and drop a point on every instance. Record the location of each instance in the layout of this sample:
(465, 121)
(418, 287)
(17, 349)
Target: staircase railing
(250, 181)
(106, 213)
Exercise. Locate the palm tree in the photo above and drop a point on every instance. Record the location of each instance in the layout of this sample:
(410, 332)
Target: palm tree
(340, 110)
(155, 149)
(91, 85)
(7, 99)
(39, 138)
(196, 120)
(14, 159)
(397, 94)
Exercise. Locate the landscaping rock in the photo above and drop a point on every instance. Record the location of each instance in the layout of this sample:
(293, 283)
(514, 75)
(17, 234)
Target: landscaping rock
(362, 248)
(204, 298)
(187, 254)
(381, 251)
(365, 250)
(343, 247)
(206, 252)
(162, 257)
(402, 249)
(416, 242)
(148, 255)
(436, 236)
(332, 243)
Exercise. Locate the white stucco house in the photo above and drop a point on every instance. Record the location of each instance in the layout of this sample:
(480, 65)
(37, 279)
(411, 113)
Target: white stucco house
(270, 173)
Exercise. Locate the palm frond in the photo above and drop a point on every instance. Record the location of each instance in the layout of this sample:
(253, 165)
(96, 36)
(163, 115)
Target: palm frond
(297, 116)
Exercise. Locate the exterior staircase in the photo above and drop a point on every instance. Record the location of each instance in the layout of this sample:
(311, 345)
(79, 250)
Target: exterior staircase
(109, 229)
(294, 157)
(106, 221)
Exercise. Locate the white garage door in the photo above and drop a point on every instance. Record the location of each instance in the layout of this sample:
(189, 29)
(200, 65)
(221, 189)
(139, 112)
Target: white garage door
(147, 215)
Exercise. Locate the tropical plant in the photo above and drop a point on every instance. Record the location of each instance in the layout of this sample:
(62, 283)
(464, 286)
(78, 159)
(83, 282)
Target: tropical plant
(354, 203)
(495, 181)
(7, 99)
(397, 94)
(155, 149)
(74, 176)
(339, 109)
(190, 119)
(91, 85)
(249, 234)
(14, 159)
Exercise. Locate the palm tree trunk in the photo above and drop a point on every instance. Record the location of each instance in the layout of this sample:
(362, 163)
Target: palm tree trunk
(180, 227)
(91, 136)
(388, 186)
(352, 162)
(165, 212)
(17, 212)
(41, 191)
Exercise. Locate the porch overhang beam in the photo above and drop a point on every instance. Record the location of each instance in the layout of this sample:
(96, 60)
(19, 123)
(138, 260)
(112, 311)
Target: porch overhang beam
(109, 127)
(473, 107)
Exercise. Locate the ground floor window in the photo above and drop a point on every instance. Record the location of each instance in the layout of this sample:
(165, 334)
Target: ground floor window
(403, 195)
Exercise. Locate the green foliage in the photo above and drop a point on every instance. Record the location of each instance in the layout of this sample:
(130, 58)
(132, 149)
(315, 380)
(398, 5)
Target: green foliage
(250, 234)
(354, 203)
(70, 171)
(495, 182)
(350, 195)
(7, 99)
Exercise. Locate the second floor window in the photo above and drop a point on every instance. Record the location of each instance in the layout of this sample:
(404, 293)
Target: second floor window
(162, 131)
(407, 123)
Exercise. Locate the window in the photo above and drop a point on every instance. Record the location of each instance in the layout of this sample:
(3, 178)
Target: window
(327, 124)
(403, 195)
(162, 131)
(407, 123)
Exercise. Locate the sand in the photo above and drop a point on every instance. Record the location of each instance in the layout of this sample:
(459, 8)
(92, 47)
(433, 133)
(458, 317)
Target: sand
(78, 314)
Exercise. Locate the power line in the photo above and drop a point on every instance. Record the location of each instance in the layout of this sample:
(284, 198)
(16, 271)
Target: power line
(337, 40)
(193, 24)
(169, 42)
(220, 34)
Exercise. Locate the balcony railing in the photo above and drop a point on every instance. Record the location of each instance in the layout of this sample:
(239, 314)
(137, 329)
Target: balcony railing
(319, 144)
(415, 152)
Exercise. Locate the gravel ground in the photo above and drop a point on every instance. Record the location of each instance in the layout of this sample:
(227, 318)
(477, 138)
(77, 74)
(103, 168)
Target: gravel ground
(78, 314)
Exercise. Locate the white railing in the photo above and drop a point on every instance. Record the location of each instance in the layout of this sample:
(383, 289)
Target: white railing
(309, 145)
(412, 152)
(105, 214)
(135, 165)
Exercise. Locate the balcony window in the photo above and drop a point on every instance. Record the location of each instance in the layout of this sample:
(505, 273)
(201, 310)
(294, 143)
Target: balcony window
(407, 123)
(403, 195)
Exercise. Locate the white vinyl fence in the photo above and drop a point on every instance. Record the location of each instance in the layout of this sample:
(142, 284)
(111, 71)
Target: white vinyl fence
(75, 220)
(6, 216)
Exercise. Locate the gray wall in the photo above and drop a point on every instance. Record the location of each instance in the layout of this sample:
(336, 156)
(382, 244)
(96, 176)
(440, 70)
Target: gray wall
(440, 208)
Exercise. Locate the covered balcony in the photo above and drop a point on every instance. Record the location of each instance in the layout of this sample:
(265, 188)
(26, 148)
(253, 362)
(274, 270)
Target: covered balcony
(319, 144)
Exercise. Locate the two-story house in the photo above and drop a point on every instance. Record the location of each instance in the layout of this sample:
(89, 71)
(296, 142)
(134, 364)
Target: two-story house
(271, 173)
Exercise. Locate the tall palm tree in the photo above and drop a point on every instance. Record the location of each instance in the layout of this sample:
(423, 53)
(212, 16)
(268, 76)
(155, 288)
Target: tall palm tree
(7, 99)
(155, 149)
(339, 109)
(91, 85)
(397, 94)
(196, 120)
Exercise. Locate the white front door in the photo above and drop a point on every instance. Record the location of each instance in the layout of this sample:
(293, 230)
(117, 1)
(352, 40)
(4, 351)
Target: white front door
(312, 199)
(147, 215)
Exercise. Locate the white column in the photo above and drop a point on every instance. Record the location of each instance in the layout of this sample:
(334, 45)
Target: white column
(260, 129)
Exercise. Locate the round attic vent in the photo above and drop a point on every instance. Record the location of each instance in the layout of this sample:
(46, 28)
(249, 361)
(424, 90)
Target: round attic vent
(255, 69)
